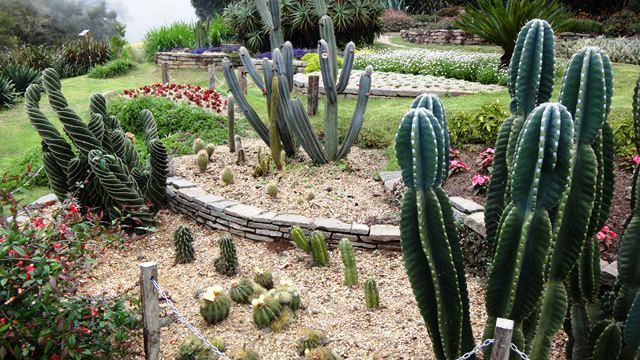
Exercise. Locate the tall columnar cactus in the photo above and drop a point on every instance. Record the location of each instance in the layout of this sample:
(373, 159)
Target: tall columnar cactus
(319, 251)
(231, 120)
(183, 242)
(274, 137)
(371, 294)
(301, 241)
(349, 262)
(293, 123)
(215, 305)
(227, 263)
(636, 125)
(430, 244)
(105, 173)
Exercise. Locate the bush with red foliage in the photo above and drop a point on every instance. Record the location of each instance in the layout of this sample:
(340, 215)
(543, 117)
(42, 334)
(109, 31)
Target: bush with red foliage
(195, 95)
(396, 20)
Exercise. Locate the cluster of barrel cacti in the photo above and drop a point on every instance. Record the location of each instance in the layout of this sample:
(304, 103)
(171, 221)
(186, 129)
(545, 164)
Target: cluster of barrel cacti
(310, 339)
(349, 262)
(105, 172)
(203, 154)
(183, 242)
(314, 245)
(292, 126)
(215, 305)
(227, 263)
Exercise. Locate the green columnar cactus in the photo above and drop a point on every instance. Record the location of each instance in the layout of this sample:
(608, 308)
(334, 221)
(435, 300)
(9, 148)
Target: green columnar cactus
(302, 242)
(371, 295)
(183, 242)
(266, 310)
(263, 278)
(202, 160)
(636, 125)
(274, 137)
(531, 77)
(214, 305)
(105, 172)
(227, 263)
(319, 251)
(310, 339)
(242, 291)
(430, 244)
(231, 119)
(349, 262)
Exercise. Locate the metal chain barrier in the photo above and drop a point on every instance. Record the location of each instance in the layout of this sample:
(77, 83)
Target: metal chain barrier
(31, 177)
(522, 355)
(488, 342)
(186, 323)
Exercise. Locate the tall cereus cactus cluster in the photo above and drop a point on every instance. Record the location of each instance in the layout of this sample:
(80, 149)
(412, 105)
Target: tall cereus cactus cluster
(293, 125)
(314, 245)
(227, 262)
(183, 242)
(105, 172)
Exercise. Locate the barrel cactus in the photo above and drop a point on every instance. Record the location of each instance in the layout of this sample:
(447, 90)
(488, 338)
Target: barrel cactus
(214, 305)
(183, 241)
(105, 173)
(198, 145)
(371, 294)
(242, 291)
(227, 263)
(266, 310)
(263, 278)
(310, 339)
(202, 160)
(349, 262)
(287, 295)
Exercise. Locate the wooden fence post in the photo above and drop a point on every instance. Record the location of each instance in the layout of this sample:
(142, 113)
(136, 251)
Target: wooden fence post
(165, 73)
(312, 94)
(502, 339)
(150, 310)
(211, 71)
(242, 79)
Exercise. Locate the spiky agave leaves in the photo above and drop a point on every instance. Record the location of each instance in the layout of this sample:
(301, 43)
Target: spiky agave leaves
(428, 234)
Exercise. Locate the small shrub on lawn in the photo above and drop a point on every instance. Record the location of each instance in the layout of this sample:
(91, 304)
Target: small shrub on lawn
(177, 35)
(21, 75)
(313, 62)
(396, 20)
(622, 50)
(112, 69)
(584, 26)
(479, 128)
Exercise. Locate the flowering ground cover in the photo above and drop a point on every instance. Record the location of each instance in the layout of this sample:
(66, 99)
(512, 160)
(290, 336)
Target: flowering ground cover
(195, 95)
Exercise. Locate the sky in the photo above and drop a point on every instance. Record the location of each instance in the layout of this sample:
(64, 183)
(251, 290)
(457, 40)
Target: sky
(141, 15)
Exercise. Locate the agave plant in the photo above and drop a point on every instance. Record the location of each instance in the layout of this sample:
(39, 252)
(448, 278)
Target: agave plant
(21, 76)
(8, 96)
(500, 21)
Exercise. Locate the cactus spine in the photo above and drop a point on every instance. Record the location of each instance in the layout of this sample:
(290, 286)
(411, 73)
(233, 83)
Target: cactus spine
(349, 262)
(227, 263)
(371, 295)
(214, 305)
(202, 160)
(242, 291)
(319, 251)
(183, 241)
(263, 278)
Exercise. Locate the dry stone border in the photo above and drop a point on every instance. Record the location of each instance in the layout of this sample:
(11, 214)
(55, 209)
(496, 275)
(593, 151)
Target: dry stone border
(457, 36)
(185, 60)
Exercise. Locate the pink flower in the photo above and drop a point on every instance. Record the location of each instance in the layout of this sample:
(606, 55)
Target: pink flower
(479, 180)
(636, 159)
(38, 222)
(606, 237)
(457, 166)
(57, 246)
(29, 268)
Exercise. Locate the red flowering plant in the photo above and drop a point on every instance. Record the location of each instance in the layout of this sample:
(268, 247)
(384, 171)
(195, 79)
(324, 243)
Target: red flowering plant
(630, 163)
(40, 314)
(606, 237)
(457, 166)
(195, 95)
(486, 160)
(479, 183)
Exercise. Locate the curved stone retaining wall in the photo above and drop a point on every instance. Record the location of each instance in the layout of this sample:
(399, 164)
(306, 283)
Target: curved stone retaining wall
(183, 60)
(460, 37)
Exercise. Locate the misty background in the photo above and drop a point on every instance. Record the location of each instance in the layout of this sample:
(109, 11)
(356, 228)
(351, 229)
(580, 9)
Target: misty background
(142, 15)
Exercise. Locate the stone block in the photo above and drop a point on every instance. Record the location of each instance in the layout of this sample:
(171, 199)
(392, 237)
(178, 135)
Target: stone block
(465, 205)
(183, 183)
(292, 220)
(264, 226)
(359, 229)
(331, 224)
(233, 225)
(384, 233)
(45, 200)
(258, 237)
(243, 211)
(339, 236)
(217, 226)
(264, 217)
(218, 207)
(239, 233)
(609, 274)
(204, 200)
(270, 233)
(191, 193)
(364, 245)
(394, 247)
(475, 222)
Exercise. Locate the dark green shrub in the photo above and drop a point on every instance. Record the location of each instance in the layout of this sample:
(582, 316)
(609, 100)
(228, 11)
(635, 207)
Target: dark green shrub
(479, 128)
(585, 26)
(177, 35)
(396, 20)
(8, 96)
(22, 76)
(622, 23)
(426, 18)
(112, 69)
(623, 133)
(80, 56)
(448, 12)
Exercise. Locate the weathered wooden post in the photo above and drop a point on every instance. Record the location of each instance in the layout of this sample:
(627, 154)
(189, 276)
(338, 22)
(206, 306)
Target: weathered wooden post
(502, 339)
(165, 73)
(242, 79)
(231, 123)
(211, 71)
(312, 94)
(150, 310)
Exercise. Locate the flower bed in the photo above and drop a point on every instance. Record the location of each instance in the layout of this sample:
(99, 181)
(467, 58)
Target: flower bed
(482, 68)
(195, 95)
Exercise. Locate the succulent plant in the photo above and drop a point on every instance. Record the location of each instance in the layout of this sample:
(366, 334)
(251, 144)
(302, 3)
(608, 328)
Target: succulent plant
(183, 241)
(274, 136)
(319, 250)
(263, 278)
(210, 149)
(263, 164)
(272, 189)
(266, 310)
(371, 295)
(198, 145)
(227, 263)
(299, 238)
(227, 176)
(310, 339)
(192, 348)
(240, 158)
(320, 353)
(349, 262)
(311, 196)
(202, 160)
(244, 354)
(242, 291)
(287, 295)
(231, 123)
(214, 305)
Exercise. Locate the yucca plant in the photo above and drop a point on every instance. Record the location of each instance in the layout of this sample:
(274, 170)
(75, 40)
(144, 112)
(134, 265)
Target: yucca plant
(500, 21)
(8, 95)
(21, 76)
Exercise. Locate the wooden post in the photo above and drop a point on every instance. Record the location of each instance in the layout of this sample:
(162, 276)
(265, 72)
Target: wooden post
(312, 94)
(165, 73)
(211, 70)
(150, 310)
(502, 339)
(242, 79)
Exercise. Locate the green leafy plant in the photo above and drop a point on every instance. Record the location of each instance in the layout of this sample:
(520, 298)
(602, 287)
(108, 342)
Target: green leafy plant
(112, 69)
(183, 242)
(227, 263)
(479, 128)
(622, 50)
(176, 35)
(80, 56)
(118, 41)
(21, 76)
(584, 26)
(8, 95)
(313, 62)
(622, 23)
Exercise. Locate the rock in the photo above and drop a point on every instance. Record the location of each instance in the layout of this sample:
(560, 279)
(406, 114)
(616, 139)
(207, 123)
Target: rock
(359, 229)
(465, 205)
(331, 224)
(609, 274)
(243, 211)
(191, 193)
(384, 233)
(475, 222)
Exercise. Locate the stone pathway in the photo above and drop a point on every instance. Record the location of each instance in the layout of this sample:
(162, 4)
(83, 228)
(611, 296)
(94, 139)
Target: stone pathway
(404, 85)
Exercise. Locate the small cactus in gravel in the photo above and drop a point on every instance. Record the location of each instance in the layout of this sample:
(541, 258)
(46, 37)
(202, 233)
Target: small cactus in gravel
(266, 310)
(192, 348)
(210, 149)
(242, 291)
(183, 241)
(320, 353)
(311, 196)
(227, 263)
(319, 250)
(263, 278)
(301, 241)
(202, 160)
(349, 262)
(310, 339)
(371, 295)
(215, 305)
(287, 295)
(197, 145)
(227, 176)
(244, 354)
(272, 190)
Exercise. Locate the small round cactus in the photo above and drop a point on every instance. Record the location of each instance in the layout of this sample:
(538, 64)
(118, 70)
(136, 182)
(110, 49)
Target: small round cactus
(227, 263)
(197, 145)
(266, 310)
(242, 291)
(227, 176)
(243, 354)
(310, 339)
(311, 196)
(371, 295)
(272, 189)
(192, 348)
(263, 278)
(320, 353)
(210, 149)
(287, 295)
(202, 160)
(183, 241)
(214, 306)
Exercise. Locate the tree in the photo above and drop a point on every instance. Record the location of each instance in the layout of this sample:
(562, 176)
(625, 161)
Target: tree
(205, 9)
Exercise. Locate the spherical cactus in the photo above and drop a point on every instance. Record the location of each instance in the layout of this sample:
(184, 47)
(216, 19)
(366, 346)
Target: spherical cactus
(320, 353)
(192, 348)
(214, 306)
(310, 339)
(242, 291)
(287, 295)
(311, 196)
(266, 310)
(272, 189)
(349, 262)
(243, 354)
(319, 250)
(227, 263)
(263, 278)
(202, 160)
(301, 241)
(183, 241)
(210, 149)
(371, 295)
(197, 145)
(227, 176)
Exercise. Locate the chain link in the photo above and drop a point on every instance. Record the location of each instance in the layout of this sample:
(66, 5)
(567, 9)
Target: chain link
(488, 342)
(186, 323)
(522, 355)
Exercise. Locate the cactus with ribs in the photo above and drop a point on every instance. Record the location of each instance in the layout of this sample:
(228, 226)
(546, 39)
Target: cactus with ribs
(105, 173)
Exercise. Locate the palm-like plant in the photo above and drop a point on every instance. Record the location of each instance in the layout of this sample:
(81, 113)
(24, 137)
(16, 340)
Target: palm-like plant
(500, 21)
